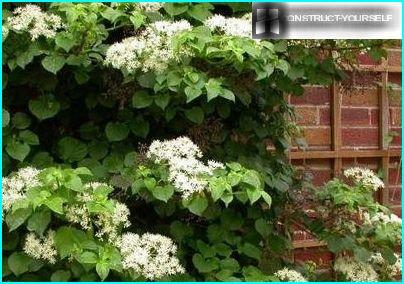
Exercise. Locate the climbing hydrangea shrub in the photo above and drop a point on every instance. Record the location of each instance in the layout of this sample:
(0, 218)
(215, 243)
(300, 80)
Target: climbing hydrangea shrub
(361, 232)
(160, 122)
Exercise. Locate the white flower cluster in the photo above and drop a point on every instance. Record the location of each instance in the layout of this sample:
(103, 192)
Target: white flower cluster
(150, 51)
(391, 270)
(355, 271)
(15, 186)
(41, 247)
(186, 171)
(365, 176)
(94, 185)
(144, 6)
(290, 275)
(107, 225)
(150, 6)
(150, 255)
(230, 26)
(385, 219)
(33, 20)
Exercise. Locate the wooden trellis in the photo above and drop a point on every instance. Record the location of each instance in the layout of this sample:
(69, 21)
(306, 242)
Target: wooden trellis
(337, 153)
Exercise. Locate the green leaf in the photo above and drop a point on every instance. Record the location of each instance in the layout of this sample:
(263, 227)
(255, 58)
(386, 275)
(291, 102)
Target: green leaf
(60, 276)
(262, 227)
(71, 150)
(140, 127)
(192, 93)
(227, 94)
(68, 240)
(141, 99)
(196, 204)
(162, 100)
(200, 11)
(162, 193)
(253, 194)
(19, 263)
(250, 250)
(44, 107)
(55, 204)
(283, 65)
(88, 257)
(65, 41)
(252, 178)
(17, 150)
(53, 63)
(29, 137)
(17, 218)
(98, 149)
(180, 230)
(195, 115)
(112, 15)
(116, 131)
(205, 265)
(267, 198)
(222, 249)
(174, 9)
(39, 221)
(6, 117)
(20, 120)
(150, 183)
(102, 270)
(74, 183)
(229, 264)
(253, 274)
(213, 89)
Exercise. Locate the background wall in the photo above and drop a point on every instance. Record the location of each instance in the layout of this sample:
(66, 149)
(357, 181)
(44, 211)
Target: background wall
(359, 117)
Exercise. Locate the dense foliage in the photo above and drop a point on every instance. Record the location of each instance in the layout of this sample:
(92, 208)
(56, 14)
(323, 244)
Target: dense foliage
(146, 141)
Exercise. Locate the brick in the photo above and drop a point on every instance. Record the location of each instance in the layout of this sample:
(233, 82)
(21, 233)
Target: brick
(319, 176)
(395, 116)
(364, 79)
(320, 256)
(312, 96)
(307, 115)
(394, 176)
(394, 57)
(395, 78)
(360, 97)
(316, 136)
(313, 163)
(360, 137)
(325, 116)
(355, 116)
(374, 117)
(371, 163)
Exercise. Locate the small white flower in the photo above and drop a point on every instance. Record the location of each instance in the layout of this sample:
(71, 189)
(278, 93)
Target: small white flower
(33, 20)
(17, 184)
(41, 247)
(152, 50)
(364, 176)
(186, 171)
(355, 271)
(150, 255)
(240, 27)
(290, 275)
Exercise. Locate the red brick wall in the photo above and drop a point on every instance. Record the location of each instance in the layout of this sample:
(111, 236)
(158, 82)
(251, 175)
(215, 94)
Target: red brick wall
(360, 131)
